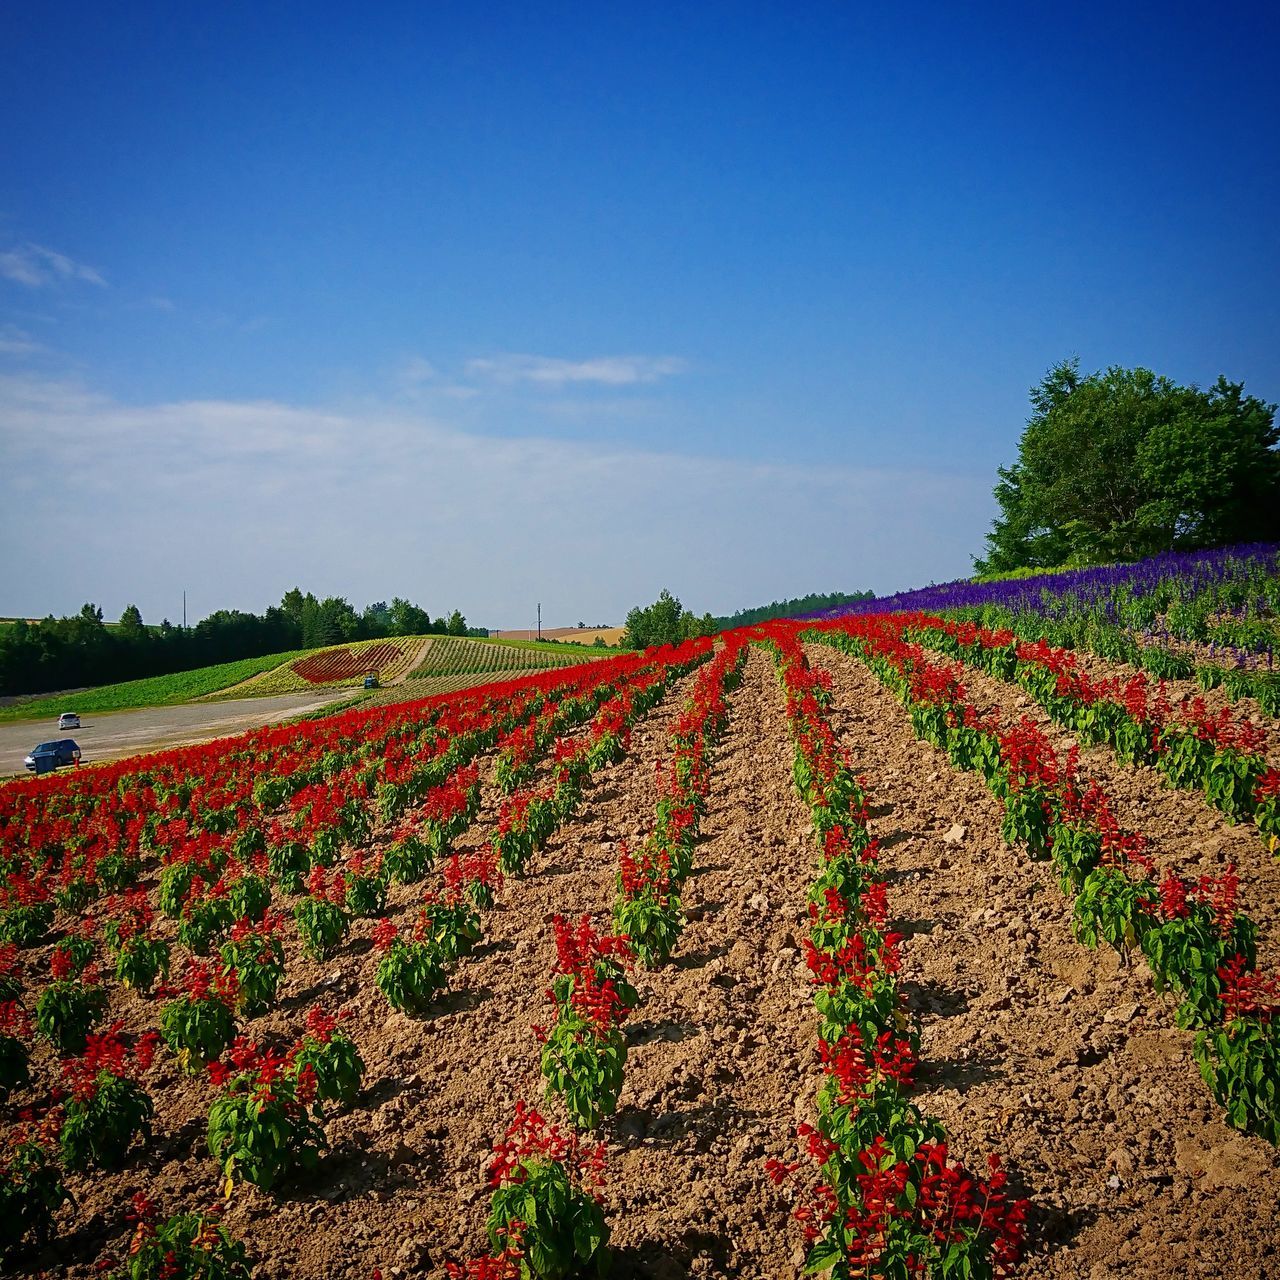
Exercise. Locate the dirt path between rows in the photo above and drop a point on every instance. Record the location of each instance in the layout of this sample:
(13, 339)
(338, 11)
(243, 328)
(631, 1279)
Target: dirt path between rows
(1052, 1055)
(723, 1063)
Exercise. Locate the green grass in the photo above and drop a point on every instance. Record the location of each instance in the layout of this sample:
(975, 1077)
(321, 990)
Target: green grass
(153, 691)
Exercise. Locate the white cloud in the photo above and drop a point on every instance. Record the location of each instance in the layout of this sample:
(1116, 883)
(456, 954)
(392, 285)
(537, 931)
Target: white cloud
(549, 371)
(17, 342)
(37, 267)
(415, 370)
(238, 500)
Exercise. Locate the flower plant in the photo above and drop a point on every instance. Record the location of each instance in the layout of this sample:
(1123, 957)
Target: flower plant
(260, 1127)
(584, 1051)
(408, 858)
(1239, 1057)
(546, 1197)
(10, 972)
(186, 1246)
(140, 957)
(198, 1023)
(475, 875)
(366, 880)
(31, 1186)
(321, 916)
(206, 916)
(15, 1033)
(254, 956)
(107, 1107)
(331, 1058)
(452, 925)
(647, 909)
(411, 970)
(68, 1007)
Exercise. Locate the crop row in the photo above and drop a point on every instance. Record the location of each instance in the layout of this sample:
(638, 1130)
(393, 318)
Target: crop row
(1211, 615)
(452, 656)
(1194, 941)
(883, 1197)
(1220, 754)
(220, 860)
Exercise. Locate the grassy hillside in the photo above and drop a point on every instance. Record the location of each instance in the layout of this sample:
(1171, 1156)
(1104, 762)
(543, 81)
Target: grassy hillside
(348, 664)
(154, 691)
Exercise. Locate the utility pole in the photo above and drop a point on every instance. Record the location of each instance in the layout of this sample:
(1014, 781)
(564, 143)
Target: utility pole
(539, 620)
(184, 610)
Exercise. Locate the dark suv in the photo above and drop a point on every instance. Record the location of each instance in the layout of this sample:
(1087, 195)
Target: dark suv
(47, 756)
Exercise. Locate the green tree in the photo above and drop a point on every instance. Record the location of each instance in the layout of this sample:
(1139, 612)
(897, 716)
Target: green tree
(131, 621)
(457, 624)
(1214, 472)
(291, 604)
(407, 619)
(1126, 463)
(665, 621)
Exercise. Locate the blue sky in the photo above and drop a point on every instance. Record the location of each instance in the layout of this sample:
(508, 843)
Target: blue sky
(492, 305)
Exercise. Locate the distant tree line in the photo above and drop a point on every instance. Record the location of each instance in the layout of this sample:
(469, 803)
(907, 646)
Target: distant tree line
(1124, 463)
(666, 621)
(82, 650)
(789, 608)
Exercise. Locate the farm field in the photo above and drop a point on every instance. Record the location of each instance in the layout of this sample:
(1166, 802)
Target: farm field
(448, 656)
(586, 636)
(336, 665)
(154, 691)
(827, 942)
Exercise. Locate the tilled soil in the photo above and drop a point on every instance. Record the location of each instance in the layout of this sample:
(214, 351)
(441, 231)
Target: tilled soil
(1214, 699)
(1066, 1064)
(722, 1064)
(408, 1161)
(1187, 834)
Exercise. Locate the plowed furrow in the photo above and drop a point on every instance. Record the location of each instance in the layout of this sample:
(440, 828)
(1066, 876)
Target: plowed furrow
(1054, 1055)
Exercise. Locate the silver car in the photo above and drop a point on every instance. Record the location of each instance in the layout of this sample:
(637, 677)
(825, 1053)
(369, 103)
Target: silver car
(68, 720)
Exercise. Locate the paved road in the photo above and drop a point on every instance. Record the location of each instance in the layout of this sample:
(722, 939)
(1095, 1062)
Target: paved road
(110, 735)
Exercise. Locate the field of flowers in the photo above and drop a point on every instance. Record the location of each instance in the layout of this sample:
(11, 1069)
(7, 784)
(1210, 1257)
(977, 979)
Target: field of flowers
(934, 942)
(449, 656)
(338, 665)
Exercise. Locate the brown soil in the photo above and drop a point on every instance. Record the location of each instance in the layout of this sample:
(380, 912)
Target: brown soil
(1038, 1048)
(1214, 699)
(1187, 834)
(1055, 1056)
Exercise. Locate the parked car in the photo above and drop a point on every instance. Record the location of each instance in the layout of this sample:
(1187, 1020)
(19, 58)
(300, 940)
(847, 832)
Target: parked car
(47, 756)
(371, 682)
(68, 720)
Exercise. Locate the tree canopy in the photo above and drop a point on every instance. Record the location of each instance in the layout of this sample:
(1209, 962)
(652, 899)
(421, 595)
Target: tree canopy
(64, 653)
(1125, 463)
(793, 608)
(665, 621)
